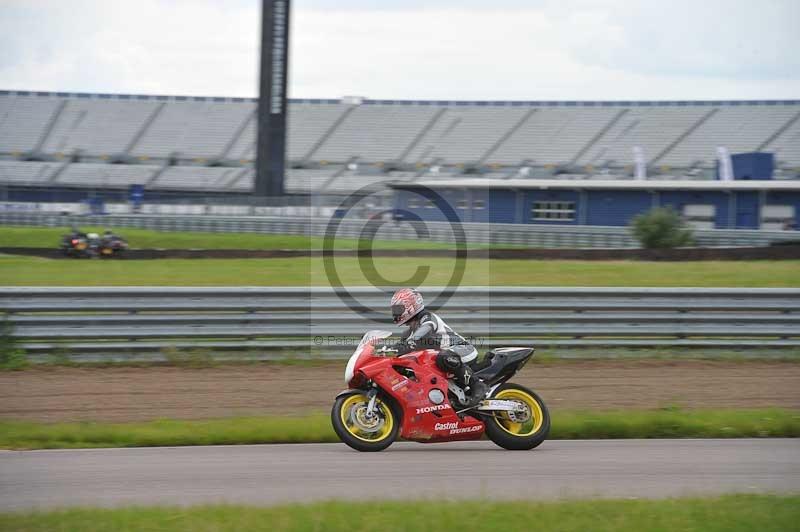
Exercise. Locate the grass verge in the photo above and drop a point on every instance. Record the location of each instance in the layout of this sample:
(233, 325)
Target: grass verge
(728, 513)
(306, 271)
(665, 423)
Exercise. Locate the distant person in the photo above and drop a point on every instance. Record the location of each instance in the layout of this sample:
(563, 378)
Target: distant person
(76, 233)
(108, 237)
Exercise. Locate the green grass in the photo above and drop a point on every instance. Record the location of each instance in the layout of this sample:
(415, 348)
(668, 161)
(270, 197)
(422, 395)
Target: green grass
(231, 431)
(50, 237)
(667, 423)
(730, 513)
(677, 423)
(17, 270)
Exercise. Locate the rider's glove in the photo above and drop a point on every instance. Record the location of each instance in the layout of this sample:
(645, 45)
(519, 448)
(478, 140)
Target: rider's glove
(402, 348)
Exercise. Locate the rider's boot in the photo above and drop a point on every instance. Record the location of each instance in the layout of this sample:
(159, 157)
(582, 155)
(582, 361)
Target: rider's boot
(474, 388)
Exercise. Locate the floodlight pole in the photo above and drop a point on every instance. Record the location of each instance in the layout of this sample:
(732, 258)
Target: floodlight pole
(272, 101)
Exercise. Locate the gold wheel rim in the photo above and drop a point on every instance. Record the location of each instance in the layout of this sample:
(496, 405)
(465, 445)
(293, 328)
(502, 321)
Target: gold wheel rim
(352, 415)
(516, 428)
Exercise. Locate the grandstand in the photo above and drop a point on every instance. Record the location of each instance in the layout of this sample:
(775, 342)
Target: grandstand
(196, 144)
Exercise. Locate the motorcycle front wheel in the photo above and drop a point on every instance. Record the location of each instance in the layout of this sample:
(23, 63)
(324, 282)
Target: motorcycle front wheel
(359, 430)
(523, 430)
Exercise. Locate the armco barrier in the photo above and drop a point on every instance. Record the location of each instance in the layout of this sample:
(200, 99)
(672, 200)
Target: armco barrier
(531, 235)
(130, 323)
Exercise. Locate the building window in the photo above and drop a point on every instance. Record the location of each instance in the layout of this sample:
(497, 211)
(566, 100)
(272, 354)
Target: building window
(478, 205)
(413, 203)
(700, 216)
(561, 211)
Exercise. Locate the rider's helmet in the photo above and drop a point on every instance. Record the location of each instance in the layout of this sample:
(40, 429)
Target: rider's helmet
(406, 304)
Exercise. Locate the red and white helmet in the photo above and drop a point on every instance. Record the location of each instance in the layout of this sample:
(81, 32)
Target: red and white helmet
(406, 303)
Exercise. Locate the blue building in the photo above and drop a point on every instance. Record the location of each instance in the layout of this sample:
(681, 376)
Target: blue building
(768, 204)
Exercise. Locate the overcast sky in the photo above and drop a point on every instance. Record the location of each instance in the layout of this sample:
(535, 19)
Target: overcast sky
(410, 49)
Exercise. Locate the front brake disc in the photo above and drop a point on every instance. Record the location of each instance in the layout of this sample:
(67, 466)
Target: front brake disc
(359, 419)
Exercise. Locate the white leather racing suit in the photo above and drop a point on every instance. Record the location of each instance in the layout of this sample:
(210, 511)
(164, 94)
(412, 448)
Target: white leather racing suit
(429, 331)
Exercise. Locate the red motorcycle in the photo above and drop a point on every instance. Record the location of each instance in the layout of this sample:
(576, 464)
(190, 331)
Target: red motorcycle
(409, 397)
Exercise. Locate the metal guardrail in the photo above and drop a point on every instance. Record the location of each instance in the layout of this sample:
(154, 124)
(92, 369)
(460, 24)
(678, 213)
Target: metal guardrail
(531, 235)
(133, 323)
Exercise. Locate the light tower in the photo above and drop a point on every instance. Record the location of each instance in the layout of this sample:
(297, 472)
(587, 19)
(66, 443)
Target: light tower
(272, 108)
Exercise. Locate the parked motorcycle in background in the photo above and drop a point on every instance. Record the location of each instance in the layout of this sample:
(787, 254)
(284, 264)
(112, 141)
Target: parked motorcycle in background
(75, 244)
(78, 244)
(112, 245)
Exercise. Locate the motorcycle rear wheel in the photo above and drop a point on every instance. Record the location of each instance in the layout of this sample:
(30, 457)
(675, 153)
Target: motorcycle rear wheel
(350, 423)
(515, 434)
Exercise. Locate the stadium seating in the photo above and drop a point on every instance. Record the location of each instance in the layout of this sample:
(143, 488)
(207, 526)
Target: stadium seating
(198, 130)
(97, 127)
(464, 134)
(196, 177)
(651, 128)
(554, 135)
(189, 143)
(787, 146)
(104, 175)
(23, 121)
(740, 129)
(303, 180)
(364, 134)
(33, 173)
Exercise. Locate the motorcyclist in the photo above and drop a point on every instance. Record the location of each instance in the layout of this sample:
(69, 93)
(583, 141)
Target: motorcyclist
(426, 330)
(76, 233)
(108, 237)
(70, 243)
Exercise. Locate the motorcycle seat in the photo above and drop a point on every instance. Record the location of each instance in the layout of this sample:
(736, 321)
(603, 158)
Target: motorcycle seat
(512, 352)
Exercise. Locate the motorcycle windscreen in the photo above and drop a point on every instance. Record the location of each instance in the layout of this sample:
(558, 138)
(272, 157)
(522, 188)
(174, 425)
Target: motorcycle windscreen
(373, 336)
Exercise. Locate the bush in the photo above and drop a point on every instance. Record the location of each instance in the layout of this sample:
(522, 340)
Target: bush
(661, 227)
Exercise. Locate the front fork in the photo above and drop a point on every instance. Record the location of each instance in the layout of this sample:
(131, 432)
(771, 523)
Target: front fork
(372, 395)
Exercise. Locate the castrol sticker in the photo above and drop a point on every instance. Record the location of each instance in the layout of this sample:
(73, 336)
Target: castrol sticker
(455, 429)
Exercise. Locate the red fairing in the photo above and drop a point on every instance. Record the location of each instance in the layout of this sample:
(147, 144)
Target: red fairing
(423, 420)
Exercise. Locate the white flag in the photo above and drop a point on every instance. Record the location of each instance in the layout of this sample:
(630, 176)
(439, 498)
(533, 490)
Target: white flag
(640, 163)
(725, 164)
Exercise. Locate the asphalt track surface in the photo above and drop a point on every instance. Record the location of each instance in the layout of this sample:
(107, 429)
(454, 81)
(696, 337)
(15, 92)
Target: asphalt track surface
(269, 474)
